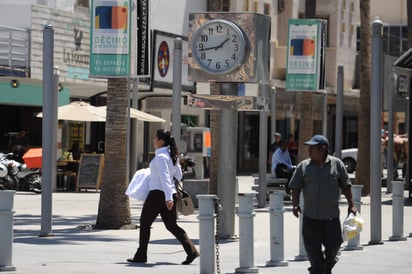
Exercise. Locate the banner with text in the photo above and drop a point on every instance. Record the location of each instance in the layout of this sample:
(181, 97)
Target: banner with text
(305, 55)
(110, 38)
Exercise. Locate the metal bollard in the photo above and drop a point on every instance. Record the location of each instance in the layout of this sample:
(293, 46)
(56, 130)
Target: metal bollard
(397, 211)
(6, 230)
(353, 244)
(277, 248)
(302, 256)
(207, 233)
(246, 243)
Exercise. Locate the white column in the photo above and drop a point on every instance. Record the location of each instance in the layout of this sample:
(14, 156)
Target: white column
(6, 230)
(246, 246)
(277, 247)
(207, 233)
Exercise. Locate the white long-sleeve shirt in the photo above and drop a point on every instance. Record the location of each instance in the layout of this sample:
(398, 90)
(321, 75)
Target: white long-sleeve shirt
(162, 172)
(281, 157)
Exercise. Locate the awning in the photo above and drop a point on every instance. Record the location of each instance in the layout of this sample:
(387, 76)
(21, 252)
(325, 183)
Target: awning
(28, 92)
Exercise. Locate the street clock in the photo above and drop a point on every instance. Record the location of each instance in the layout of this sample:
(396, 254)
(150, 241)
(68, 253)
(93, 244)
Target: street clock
(229, 47)
(219, 46)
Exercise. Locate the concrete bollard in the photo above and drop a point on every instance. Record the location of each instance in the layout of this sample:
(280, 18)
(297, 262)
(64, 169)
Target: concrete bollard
(6, 230)
(397, 211)
(207, 233)
(353, 244)
(246, 243)
(277, 247)
(302, 256)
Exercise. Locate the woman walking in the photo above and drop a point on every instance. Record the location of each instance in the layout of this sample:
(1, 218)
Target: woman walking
(162, 198)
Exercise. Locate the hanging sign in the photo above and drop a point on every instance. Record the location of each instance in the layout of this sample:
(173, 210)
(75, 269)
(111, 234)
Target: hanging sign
(305, 56)
(110, 38)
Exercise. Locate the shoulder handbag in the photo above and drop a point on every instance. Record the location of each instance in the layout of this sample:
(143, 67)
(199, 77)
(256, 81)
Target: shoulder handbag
(184, 203)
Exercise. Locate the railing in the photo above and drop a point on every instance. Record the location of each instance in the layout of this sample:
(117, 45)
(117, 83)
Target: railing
(14, 51)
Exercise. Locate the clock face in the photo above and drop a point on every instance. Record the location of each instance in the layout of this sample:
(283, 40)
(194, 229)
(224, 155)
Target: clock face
(219, 46)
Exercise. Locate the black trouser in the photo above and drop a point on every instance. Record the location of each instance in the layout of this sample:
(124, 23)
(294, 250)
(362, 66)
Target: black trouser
(318, 233)
(153, 206)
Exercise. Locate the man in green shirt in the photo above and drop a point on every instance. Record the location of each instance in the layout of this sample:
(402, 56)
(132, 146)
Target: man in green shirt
(321, 178)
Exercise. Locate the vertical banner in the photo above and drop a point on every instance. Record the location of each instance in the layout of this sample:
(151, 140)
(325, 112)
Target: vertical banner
(110, 38)
(143, 31)
(305, 56)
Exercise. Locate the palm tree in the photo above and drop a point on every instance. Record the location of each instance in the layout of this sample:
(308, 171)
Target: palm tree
(114, 210)
(306, 117)
(409, 12)
(214, 5)
(214, 130)
(363, 165)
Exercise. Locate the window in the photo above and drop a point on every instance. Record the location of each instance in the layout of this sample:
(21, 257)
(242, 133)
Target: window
(352, 7)
(395, 40)
(83, 3)
(266, 8)
(246, 5)
(255, 6)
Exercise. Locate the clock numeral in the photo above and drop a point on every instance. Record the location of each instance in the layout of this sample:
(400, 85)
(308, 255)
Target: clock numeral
(204, 38)
(227, 63)
(233, 56)
(219, 29)
(203, 56)
(217, 65)
(210, 30)
(209, 61)
(200, 46)
(234, 38)
(236, 47)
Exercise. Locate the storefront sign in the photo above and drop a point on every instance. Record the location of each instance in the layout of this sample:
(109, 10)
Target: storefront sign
(143, 31)
(305, 57)
(162, 70)
(110, 38)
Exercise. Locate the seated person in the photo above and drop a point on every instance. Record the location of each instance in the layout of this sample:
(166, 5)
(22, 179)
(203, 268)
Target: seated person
(281, 162)
(19, 144)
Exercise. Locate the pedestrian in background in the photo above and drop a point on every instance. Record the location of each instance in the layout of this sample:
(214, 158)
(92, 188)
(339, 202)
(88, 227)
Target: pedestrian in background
(321, 178)
(162, 198)
(293, 149)
(272, 147)
(281, 162)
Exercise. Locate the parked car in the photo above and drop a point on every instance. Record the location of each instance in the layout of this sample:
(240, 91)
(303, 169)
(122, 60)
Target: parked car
(349, 158)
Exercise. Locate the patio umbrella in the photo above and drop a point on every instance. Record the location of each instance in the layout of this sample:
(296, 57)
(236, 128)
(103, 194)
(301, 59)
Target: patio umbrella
(78, 111)
(136, 114)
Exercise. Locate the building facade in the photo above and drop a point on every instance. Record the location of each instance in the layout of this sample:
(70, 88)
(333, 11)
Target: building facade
(166, 21)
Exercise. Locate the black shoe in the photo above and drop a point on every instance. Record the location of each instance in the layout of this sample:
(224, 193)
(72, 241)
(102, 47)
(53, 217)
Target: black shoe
(137, 260)
(190, 258)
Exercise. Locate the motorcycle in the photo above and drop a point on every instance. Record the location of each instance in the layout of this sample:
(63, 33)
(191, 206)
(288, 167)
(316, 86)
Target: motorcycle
(15, 175)
(187, 163)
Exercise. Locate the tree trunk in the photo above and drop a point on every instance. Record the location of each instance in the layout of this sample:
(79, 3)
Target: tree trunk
(409, 13)
(214, 5)
(306, 117)
(114, 209)
(363, 162)
(214, 130)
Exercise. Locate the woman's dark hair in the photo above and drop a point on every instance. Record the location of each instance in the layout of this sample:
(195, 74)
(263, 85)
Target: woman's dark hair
(165, 135)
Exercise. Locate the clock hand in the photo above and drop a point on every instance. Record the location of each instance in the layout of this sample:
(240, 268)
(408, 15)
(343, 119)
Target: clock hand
(221, 45)
(215, 48)
(207, 48)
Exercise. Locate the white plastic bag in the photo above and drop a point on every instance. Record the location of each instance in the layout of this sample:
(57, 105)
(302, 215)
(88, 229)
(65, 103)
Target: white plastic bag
(139, 185)
(352, 226)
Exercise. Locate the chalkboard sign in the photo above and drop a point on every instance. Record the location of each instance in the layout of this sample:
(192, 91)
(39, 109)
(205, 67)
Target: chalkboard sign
(90, 171)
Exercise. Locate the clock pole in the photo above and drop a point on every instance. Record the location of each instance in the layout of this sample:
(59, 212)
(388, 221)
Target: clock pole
(226, 175)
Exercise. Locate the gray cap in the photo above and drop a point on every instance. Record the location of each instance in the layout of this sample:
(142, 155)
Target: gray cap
(318, 140)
